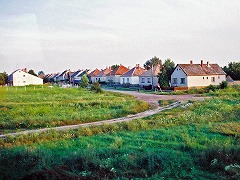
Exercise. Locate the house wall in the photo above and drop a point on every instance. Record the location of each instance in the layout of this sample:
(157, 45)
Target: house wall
(194, 81)
(115, 79)
(178, 74)
(21, 78)
(94, 79)
(146, 82)
(134, 80)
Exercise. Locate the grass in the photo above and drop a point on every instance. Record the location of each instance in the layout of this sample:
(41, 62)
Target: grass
(37, 107)
(201, 141)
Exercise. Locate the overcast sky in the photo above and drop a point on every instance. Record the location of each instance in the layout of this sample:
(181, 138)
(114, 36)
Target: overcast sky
(54, 35)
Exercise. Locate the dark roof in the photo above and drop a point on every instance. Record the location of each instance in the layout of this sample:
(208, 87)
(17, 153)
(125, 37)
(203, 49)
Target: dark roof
(82, 73)
(136, 71)
(75, 73)
(156, 70)
(94, 73)
(118, 71)
(198, 70)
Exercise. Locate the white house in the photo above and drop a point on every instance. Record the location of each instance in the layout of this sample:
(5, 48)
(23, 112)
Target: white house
(101, 77)
(132, 76)
(197, 75)
(78, 78)
(22, 78)
(74, 76)
(114, 75)
(150, 76)
(93, 74)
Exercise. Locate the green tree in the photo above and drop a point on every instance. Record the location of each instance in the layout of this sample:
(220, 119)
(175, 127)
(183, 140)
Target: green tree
(31, 71)
(3, 78)
(84, 81)
(169, 65)
(163, 78)
(114, 66)
(152, 62)
(96, 87)
(233, 70)
(166, 71)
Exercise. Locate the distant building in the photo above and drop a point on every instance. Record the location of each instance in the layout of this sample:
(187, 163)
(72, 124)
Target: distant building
(114, 75)
(101, 77)
(92, 76)
(197, 75)
(22, 78)
(150, 77)
(131, 77)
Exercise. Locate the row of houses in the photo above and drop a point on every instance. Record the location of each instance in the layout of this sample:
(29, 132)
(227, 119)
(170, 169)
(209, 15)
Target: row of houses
(184, 75)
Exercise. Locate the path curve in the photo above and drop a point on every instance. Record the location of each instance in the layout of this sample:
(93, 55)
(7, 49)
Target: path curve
(97, 123)
(150, 98)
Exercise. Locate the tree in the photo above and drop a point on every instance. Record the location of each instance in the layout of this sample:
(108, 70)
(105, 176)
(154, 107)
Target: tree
(3, 78)
(233, 70)
(169, 65)
(166, 71)
(152, 62)
(84, 81)
(32, 72)
(114, 66)
(163, 78)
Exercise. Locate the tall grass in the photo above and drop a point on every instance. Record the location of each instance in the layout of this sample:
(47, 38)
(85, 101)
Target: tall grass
(41, 107)
(198, 142)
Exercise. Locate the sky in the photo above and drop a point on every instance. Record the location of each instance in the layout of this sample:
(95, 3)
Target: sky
(54, 35)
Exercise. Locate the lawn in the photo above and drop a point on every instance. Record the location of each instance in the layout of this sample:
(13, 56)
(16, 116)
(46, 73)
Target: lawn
(37, 107)
(201, 141)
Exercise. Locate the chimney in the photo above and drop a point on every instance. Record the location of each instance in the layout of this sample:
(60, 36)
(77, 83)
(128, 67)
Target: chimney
(207, 64)
(137, 65)
(202, 63)
(24, 70)
(191, 62)
(129, 67)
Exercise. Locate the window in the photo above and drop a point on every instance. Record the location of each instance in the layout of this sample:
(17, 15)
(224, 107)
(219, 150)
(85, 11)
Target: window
(218, 77)
(148, 80)
(212, 79)
(174, 80)
(24, 81)
(182, 80)
(127, 80)
(24, 75)
(143, 80)
(123, 80)
(202, 77)
(207, 77)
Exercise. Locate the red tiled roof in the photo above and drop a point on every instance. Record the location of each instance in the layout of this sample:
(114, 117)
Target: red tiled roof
(198, 70)
(95, 72)
(118, 71)
(136, 71)
(104, 72)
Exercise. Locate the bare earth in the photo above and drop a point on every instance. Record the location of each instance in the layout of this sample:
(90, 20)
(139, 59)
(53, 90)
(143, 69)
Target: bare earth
(150, 98)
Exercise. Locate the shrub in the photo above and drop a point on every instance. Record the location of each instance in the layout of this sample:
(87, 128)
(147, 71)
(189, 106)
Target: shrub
(96, 87)
(223, 84)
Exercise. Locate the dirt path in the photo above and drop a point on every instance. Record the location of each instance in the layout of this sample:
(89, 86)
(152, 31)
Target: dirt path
(150, 98)
(153, 98)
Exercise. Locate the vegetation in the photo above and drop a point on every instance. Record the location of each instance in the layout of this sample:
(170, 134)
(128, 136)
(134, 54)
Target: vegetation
(114, 66)
(200, 141)
(3, 78)
(35, 107)
(233, 70)
(152, 62)
(84, 81)
(165, 76)
(96, 87)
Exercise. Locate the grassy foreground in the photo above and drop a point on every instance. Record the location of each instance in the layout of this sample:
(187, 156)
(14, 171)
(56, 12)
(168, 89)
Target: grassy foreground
(36, 107)
(201, 141)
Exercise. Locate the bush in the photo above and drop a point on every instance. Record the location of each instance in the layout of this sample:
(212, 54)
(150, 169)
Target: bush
(96, 87)
(223, 84)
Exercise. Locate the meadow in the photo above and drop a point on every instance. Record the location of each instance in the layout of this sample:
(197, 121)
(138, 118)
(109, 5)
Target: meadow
(201, 141)
(37, 107)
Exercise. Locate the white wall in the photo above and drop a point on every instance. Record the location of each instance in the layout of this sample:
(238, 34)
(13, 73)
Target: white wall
(21, 78)
(146, 83)
(178, 73)
(132, 80)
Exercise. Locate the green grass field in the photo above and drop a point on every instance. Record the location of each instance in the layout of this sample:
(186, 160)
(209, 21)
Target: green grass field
(201, 141)
(37, 107)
